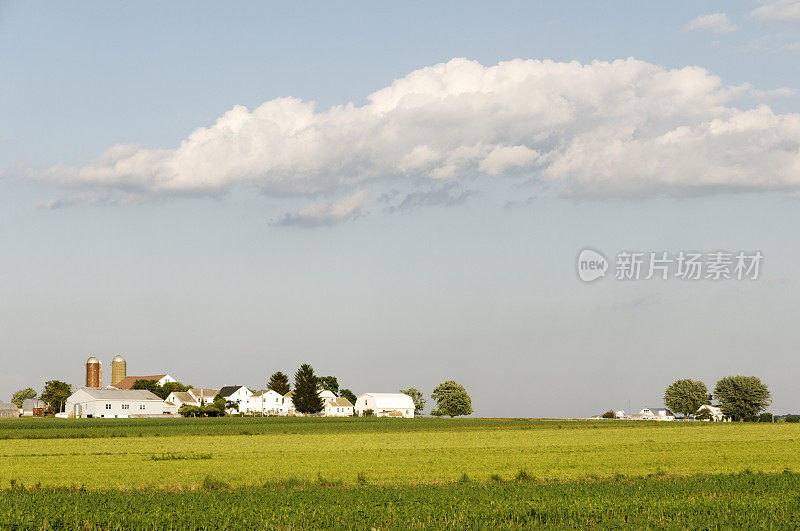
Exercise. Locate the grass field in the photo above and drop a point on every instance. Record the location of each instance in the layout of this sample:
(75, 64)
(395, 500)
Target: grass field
(483, 472)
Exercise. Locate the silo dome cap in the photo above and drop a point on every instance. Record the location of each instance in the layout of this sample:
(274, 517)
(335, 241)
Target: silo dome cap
(118, 358)
(93, 360)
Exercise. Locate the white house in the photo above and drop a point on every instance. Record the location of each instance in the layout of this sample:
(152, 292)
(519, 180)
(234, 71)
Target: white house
(89, 402)
(338, 407)
(203, 396)
(267, 402)
(385, 405)
(715, 411)
(654, 413)
(239, 395)
(181, 398)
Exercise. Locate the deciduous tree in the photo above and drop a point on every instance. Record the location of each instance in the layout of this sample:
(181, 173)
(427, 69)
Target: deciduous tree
(742, 397)
(55, 394)
(23, 394)
(686, 396)
(451, 399)
(416, 396)
(348, 394)
(329, 383)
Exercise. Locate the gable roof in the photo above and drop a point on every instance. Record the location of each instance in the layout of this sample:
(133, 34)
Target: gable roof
(119, 394)
(391, 400)
(183, 396)
(228, 390)
(128, 381)
(341, 402)
(204, 394)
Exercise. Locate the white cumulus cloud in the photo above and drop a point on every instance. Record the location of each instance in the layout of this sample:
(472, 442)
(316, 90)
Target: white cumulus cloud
(780, 10)
(624, 128)
(714, 23)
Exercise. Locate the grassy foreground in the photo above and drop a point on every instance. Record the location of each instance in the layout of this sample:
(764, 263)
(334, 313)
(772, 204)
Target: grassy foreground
(247, 452)
(728, 501)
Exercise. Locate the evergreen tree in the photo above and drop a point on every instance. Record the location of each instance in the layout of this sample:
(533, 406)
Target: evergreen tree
(306, 391)
(279, 383)
(451, 399)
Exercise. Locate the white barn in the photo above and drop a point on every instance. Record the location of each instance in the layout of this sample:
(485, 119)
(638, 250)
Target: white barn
(385, 405)
(89, 402)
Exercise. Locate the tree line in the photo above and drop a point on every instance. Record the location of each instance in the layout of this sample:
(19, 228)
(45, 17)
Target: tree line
(741, 398)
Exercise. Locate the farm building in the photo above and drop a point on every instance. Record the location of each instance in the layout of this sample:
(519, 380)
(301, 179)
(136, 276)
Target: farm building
(8, 411)
(714, 411)
(267, 402)
(128, 381)
(181, 398)
(654, 413)
(203, 396)
(237, 394)
(113, 403)
(385, 405)
(33, 407)
(338, 407)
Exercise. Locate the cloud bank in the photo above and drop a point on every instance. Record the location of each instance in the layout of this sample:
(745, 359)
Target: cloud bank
(780, 11)
(625, 128)
(714, 23)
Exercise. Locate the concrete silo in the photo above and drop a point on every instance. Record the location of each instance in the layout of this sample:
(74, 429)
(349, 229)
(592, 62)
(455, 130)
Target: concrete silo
(94, 372)
(119, 369)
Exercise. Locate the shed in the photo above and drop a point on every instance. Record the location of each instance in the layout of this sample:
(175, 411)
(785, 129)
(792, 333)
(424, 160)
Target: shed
(33, 407)
(385, 405)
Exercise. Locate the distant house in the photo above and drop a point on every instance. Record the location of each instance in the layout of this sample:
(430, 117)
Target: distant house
(33, 407)
(181, 398)
(203, 396)
(715, 411)
(289, 403)
(239, 395)
(338, 407)
(89, 402)
(267, 402)
(128, 381)
(385, 405)
(654, 413)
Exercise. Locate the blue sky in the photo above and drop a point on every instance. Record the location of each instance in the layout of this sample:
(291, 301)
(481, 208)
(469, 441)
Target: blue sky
(392, 268)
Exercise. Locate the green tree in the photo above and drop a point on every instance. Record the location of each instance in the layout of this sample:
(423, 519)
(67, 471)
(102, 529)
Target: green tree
(416, 396)
(148, 385)
(306, 391)
(171, 387)
(55, 394)
(742, 397)
(279, 383)
(329, 383)
(451, 399)
(686, 396)
(704, 415)
(187, 410)
(22, 395)
(348, 394)
(219, 404)
(608, 415)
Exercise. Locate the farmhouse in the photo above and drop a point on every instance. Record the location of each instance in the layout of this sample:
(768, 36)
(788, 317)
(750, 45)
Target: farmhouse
(714, 411)
(128, 381)
(181, 398)
(654, 413)
(113, 403)
(338, 407)
(267, 402)
(203, 396)
(237, 394)
(385, 405)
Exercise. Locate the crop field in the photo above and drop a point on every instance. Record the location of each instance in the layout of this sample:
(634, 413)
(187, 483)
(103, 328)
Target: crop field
(296, 472)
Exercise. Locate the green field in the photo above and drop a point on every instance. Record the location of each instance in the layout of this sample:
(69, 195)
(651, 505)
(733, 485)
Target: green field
(481, 471)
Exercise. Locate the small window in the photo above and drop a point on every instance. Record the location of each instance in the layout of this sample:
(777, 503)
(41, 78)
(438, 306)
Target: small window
(126, 406)
(141, 406)
(108, 406)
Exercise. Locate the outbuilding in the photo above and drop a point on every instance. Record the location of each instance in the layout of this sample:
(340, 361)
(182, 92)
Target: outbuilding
(89, 402)
(385, 405)
(33, 407)
(8, 411)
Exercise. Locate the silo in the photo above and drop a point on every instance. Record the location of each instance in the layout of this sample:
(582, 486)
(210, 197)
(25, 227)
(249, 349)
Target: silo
(94, 372)
(119, 369)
